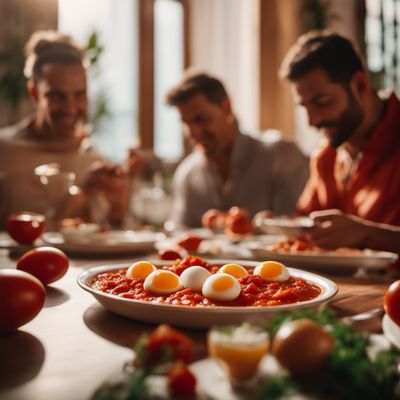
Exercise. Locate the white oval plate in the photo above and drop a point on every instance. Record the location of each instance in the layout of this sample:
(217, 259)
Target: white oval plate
(199, 317)
(103, 243)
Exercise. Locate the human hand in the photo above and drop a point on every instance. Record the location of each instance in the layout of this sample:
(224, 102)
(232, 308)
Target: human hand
(333, 229)
(135, 163)
(111, 183)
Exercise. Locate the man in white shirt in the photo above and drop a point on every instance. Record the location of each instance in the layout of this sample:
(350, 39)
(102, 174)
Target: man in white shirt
(228, 168)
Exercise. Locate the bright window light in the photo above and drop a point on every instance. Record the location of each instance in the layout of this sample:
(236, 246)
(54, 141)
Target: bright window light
(114, 79)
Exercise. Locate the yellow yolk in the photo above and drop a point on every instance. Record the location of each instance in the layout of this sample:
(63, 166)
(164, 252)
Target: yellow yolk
(140, 269)
(161, 281)
(165, 281)
(236, 270)
(221, 286)
(272, 271)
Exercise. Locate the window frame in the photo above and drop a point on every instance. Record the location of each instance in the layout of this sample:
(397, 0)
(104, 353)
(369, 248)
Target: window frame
(146, 67)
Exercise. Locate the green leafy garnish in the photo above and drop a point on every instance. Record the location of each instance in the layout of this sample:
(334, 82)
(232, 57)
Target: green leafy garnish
(349, 374)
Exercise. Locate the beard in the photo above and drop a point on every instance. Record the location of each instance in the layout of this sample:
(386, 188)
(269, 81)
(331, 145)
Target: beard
(345, 125)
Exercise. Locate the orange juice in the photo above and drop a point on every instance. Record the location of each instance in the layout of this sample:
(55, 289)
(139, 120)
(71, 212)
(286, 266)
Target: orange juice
(239, 348)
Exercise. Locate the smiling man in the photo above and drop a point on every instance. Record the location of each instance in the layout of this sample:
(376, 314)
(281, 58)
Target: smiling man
(228, 168)
(55, 133)
(356, 173)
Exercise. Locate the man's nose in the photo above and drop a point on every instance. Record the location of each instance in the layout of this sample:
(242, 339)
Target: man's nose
(70, 104)
(314, 118)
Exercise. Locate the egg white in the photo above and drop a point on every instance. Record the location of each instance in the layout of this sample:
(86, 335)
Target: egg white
(194, 277)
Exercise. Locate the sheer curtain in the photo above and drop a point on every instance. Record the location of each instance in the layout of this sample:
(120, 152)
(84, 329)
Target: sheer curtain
(224, 41)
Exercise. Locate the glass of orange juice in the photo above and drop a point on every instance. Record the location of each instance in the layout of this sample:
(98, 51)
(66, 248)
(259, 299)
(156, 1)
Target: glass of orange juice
(239, 348)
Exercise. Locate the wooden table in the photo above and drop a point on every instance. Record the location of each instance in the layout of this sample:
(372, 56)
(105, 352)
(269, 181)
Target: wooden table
(74, 344)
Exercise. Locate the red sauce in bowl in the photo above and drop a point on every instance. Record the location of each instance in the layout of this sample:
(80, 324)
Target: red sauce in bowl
(255, 291)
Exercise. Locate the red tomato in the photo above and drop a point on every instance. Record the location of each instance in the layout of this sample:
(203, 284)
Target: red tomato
(238, 224)
(190, 242)
(21, 298)
(213, 219)
(165, 339)
(168, 254)
(236, 211)
(25, 226)
(48, 264)
(392, 302)
(181, 382)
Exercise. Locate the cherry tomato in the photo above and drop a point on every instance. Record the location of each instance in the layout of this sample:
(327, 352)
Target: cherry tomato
(181, 382)
(213, 219)
(190, 242)
(48, 264)
(25, 226)
(392, 302)
(21, 298)
(165, 339)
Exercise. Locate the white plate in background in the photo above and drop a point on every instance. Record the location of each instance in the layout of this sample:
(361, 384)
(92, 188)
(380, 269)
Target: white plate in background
(338, 260)
(285, 225)
(104, 243)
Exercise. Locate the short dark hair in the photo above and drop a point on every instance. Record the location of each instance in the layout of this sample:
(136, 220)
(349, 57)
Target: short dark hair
(45, 47)
(197, 83)
(322, 49)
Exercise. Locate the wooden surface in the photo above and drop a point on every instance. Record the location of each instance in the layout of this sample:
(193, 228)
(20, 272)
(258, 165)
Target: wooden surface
(74, 345)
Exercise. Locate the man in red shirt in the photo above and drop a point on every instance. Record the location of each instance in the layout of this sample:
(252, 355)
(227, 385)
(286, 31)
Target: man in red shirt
(355, 175)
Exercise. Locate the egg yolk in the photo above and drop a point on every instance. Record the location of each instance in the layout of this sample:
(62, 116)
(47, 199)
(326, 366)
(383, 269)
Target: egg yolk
(165, 280)
(236, 270)
(140, 270)
(223, 283)
(272, 271)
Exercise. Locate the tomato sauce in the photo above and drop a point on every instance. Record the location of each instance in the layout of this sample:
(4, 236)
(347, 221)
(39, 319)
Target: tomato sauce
(255, 291)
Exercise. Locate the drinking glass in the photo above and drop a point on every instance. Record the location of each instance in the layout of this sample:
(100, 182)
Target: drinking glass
(56, 185)
(239, 349)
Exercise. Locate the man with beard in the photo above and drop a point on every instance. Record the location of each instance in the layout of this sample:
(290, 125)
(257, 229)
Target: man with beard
(355, 175)
(55, 133)
(228, 168)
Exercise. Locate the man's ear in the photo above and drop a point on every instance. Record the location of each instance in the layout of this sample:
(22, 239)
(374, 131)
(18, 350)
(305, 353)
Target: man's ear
(360, 83)
(227, 105)
(32, 89)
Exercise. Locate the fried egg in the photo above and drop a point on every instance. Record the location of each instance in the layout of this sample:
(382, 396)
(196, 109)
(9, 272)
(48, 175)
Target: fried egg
(162, 282)
(236, 270)
(272, 271)
(140, 269)
(222, 287)
(194, 277)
